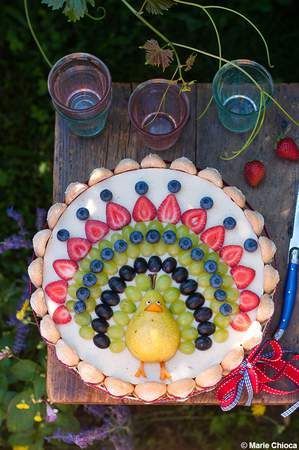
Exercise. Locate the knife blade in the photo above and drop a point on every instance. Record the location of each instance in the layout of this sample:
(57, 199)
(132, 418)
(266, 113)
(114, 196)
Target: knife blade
(290, 289)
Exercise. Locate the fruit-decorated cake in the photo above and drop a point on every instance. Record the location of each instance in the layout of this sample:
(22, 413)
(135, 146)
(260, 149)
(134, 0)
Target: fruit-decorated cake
(152, 280)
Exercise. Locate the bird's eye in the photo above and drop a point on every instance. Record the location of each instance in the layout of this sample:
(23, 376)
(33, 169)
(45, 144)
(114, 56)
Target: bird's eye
(158, 303)
(148, 302)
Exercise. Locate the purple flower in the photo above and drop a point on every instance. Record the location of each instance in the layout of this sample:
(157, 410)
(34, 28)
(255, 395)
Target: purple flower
(51, 414)
(14, 242)
(22, 331)
(122, 414)
(97, 411)
(84, 438)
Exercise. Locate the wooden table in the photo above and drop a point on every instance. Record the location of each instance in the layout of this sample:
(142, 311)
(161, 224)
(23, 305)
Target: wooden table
(202, 141)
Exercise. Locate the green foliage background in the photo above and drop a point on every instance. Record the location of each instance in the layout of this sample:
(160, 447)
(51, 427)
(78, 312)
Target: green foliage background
(26, 149)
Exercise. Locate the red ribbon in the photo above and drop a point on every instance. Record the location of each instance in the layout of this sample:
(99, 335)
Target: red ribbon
(253, 374)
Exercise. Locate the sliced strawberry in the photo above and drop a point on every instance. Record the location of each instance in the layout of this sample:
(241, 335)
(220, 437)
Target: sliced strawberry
(57, 291)
(61, 315)
(65, 268)
(241, 322)
(242, 276)
(195, 219)
(248, 301)
(95, 230)
(214, 237)
(117, 216)
(144, 210)
(169, 210)
(231, 254)
(78, 248)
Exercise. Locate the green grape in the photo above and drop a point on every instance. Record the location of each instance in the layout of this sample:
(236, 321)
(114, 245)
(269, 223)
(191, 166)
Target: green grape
(194, 238)
(104, 244)
(160, 248)
(163, 282)
(117, 346)
(227, 281)
(170, 226)
(173, 249)
(127, 306)
(222, 268)
(204, 247)
(78, 278)
(93, 254)
(72, 290)
(155, 225)
(121, 318)
(220, 335)
(221, 321)
(115, 237)
(110, 267)
(235, 307)
(185, 319)
(212, 256)
(171, 294)
(133, 293)
(102, 278)
(209, 294)
(126, 231)
(187, 347)
(185, 258)
(177, 307)
(95, 291)
(85, 264)
(120, 259)
(143, 282)
(70, 305)
(146, 248)
(86, 332)
(115, 332)
(232, 294)
(196, 268)
(140, 226)
(133, 251)
(90, 305)
(215, 305)
(204, 279)
(182, 231)
(189, 334)
(83, 318)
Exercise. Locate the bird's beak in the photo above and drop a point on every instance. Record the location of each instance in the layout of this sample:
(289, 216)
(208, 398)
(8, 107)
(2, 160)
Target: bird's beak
(153, 307)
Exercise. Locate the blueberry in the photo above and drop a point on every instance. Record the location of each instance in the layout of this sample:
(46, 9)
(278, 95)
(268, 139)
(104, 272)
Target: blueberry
(83, 293)
(206, 203)
(106, 195)
(169, 237)
(141, 187)
(104, 311)
(202, 314)
(154, 264)
(226, 309)
(220, 295)
(63, 235)
(117, 284)
(140, 265)
(250, 245)
(107, 253)
(100, 325)
(206, 328)
(120, 246)
(229, 223)
(216, 280)
(185, 243)
(180, 274)
(153, 236)
(136, 237)
(89, 279)
(210, 266)
(110, 298)
(195, 300)
(79, 306)
(169, 264)
(197, 254)
(82, 213)
(101, 340)
(96, 266)
(174, 186)
(127, 273)
(203, 343)
(188, 287)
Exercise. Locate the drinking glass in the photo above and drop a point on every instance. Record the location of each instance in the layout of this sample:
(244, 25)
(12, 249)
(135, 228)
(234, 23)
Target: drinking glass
(237, 97)
(159, 111)
(80, 87)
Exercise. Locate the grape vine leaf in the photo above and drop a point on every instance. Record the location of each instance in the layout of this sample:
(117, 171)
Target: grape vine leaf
(158, 6)
(73, 9)
(157, 56)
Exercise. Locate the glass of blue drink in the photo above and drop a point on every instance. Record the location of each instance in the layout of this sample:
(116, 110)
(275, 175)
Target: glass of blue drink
(80, 88)
(237, 97)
